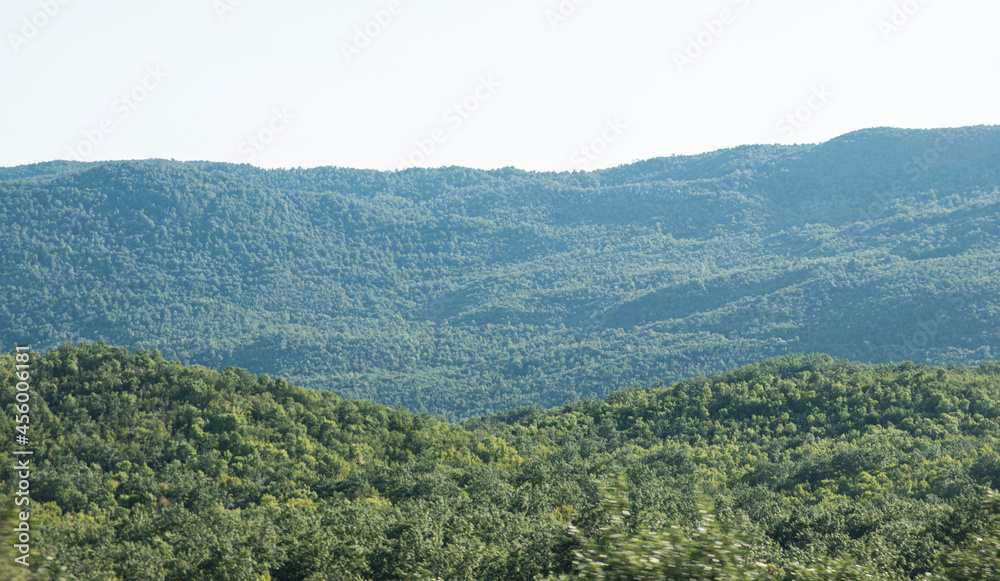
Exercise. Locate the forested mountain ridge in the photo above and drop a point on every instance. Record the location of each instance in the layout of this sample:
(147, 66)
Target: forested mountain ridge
(800, 468)
(466, 291)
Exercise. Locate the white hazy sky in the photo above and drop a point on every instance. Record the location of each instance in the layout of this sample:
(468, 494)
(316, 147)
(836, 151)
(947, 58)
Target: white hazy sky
(270, 83)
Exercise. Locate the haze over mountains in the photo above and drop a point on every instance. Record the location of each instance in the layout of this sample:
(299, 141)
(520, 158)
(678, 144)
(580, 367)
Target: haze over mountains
(465, 291)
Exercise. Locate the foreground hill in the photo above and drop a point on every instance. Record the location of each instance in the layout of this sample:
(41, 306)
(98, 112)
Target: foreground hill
(464, 292)
(796, 468)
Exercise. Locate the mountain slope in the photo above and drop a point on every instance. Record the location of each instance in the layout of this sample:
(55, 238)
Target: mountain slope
(464, 291)
(816, 468)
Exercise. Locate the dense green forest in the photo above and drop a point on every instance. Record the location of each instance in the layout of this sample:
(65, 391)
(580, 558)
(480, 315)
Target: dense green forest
(798, 468)
(466, 292)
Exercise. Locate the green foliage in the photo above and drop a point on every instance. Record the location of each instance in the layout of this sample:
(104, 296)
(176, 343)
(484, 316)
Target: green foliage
(799, 468)
(708, 552)
(9, 569)
(465, 292)
(978, 557)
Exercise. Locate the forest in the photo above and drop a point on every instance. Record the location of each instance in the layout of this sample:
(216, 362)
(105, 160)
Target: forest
(466, 292)
(802, 467)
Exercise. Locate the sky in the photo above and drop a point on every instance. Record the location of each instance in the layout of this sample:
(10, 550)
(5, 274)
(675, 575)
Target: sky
(547, 85)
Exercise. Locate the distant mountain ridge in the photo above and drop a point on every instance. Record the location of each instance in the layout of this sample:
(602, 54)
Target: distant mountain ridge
(466, 291)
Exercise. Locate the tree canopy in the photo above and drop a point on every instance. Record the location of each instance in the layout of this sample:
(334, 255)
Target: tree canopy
(466, 292)
(797, 468)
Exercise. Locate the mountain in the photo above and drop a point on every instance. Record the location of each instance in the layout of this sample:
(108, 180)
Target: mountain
(799, 468)
(464, 292)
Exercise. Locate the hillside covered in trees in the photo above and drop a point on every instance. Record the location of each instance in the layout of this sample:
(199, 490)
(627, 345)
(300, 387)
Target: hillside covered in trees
(798, 468)
(465, 292)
